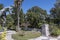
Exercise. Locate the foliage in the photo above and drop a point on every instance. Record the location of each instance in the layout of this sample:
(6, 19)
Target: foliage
(37, 9)
(25, 35)
(22, 16)
(0, 27)
(55, 31)
(1, 6)
(3, 35)
(34, 16)
(55, 12)
(10, 22)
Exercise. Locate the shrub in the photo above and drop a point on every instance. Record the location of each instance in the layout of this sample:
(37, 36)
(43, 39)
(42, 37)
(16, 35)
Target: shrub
(3, 35)
(0, 27)
(39, 24)
(55, 31)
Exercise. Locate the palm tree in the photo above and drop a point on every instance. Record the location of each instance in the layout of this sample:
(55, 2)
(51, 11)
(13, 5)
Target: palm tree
(17, 4)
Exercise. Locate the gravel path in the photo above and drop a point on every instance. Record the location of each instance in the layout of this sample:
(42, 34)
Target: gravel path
(9, 35)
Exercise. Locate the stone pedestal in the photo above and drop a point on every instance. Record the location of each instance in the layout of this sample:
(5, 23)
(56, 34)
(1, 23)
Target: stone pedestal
(45, 30)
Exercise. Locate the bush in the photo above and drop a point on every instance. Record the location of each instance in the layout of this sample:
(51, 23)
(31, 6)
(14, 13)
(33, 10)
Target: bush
(39, 24)
(55, 31)
(3, 35)
(0, 27)
(25, 35)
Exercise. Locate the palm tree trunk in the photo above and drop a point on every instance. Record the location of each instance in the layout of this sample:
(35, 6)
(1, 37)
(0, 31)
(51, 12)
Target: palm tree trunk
(18, 19)
(18, 8)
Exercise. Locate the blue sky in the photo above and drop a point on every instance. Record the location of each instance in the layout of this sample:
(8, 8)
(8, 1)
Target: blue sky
(44, 4)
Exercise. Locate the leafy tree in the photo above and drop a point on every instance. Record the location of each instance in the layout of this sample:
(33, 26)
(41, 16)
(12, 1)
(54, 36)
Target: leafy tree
(55, 17)
(37, 9)
(34, 16)
(55, 12)
(10, 22)
(22, 17)
(1, 6)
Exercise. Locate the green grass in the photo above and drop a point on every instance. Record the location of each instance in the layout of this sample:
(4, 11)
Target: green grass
(25, 35)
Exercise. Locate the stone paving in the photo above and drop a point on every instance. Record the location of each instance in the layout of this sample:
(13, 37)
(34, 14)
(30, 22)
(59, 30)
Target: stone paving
(9, 35)
(46, 38)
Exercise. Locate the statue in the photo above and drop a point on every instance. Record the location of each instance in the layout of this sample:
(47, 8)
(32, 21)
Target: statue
(4, 18)
(3, 15)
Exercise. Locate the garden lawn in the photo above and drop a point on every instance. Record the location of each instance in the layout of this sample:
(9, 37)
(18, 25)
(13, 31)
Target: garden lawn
(25, 35)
